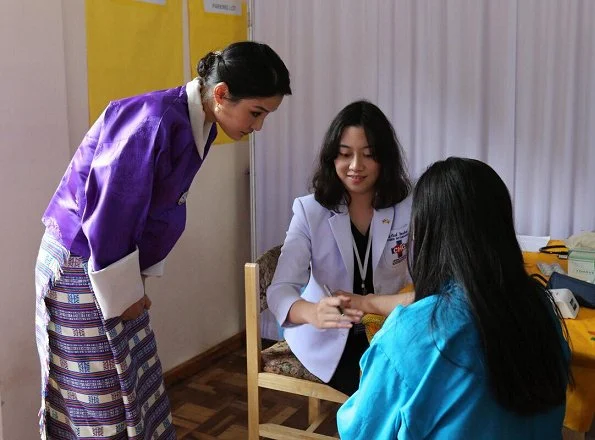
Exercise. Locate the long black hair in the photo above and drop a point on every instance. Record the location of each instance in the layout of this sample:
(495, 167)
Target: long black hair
(250, 70)
(463, 232)
(393, 184)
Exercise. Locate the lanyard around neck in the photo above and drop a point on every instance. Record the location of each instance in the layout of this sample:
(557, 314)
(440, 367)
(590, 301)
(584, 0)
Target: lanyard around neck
(363, 268)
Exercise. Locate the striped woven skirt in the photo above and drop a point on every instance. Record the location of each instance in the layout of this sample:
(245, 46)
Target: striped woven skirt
(101, 379)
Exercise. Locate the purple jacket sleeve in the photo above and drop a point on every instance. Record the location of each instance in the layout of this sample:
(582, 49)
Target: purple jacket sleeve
(118, 191)
(118, 196)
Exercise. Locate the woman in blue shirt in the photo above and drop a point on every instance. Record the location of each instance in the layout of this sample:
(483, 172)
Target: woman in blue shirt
(480, 353)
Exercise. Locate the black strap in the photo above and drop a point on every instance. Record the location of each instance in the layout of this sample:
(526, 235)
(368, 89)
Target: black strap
(556, 249)
(540, 278)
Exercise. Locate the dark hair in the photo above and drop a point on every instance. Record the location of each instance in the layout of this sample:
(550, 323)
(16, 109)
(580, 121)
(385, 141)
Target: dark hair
(393, 184)
(250, 70)
(463, 232)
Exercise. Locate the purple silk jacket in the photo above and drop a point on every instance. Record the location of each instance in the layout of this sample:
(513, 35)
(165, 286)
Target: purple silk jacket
(126, 185)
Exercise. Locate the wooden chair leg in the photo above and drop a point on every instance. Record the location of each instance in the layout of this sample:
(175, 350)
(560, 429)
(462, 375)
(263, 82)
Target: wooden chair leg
(313, 409)
(253, 348)
(253, 410)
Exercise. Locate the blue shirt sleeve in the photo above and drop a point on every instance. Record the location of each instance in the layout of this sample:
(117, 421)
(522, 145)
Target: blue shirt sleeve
(375, 410)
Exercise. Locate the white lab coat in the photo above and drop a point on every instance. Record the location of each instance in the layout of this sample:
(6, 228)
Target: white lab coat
(320, 240)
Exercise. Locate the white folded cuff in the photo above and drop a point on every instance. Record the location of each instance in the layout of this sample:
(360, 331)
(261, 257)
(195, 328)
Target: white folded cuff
(283, 307)
(118, 286)
(156, 270)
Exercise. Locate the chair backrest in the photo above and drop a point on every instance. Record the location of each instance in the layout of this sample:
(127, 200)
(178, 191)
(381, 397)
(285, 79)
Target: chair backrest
(267, 264)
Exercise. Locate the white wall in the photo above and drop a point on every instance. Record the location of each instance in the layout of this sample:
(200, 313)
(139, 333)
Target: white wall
(200, 301)
(43, 114)
(34, 151)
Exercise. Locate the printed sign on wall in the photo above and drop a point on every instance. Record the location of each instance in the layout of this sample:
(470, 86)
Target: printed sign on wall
(231, 7)
(156, 2)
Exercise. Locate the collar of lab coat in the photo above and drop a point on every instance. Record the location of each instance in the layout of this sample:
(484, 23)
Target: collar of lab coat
(200, 128)
(340, 224)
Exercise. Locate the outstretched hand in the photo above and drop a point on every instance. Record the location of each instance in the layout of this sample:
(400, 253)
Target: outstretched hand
(335, 312)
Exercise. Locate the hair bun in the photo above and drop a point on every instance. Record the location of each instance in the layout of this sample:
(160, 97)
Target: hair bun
(206, 63)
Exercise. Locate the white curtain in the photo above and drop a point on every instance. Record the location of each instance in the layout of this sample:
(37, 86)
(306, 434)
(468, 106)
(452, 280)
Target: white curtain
(510, 82)
(555, 117)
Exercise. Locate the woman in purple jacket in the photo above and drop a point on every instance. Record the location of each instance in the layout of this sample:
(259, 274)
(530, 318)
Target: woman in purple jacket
(116, 215)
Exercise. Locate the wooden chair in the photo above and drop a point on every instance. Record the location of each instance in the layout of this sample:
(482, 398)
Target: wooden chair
(276, 368)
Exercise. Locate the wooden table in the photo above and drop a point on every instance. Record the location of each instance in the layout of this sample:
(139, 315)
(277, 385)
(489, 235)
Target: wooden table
(580, 405)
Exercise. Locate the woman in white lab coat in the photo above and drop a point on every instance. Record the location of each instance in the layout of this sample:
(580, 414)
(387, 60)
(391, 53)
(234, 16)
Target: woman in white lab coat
(350, 235)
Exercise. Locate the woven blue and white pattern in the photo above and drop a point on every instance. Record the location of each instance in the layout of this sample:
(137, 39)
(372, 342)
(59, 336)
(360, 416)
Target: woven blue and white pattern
(101, 379)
